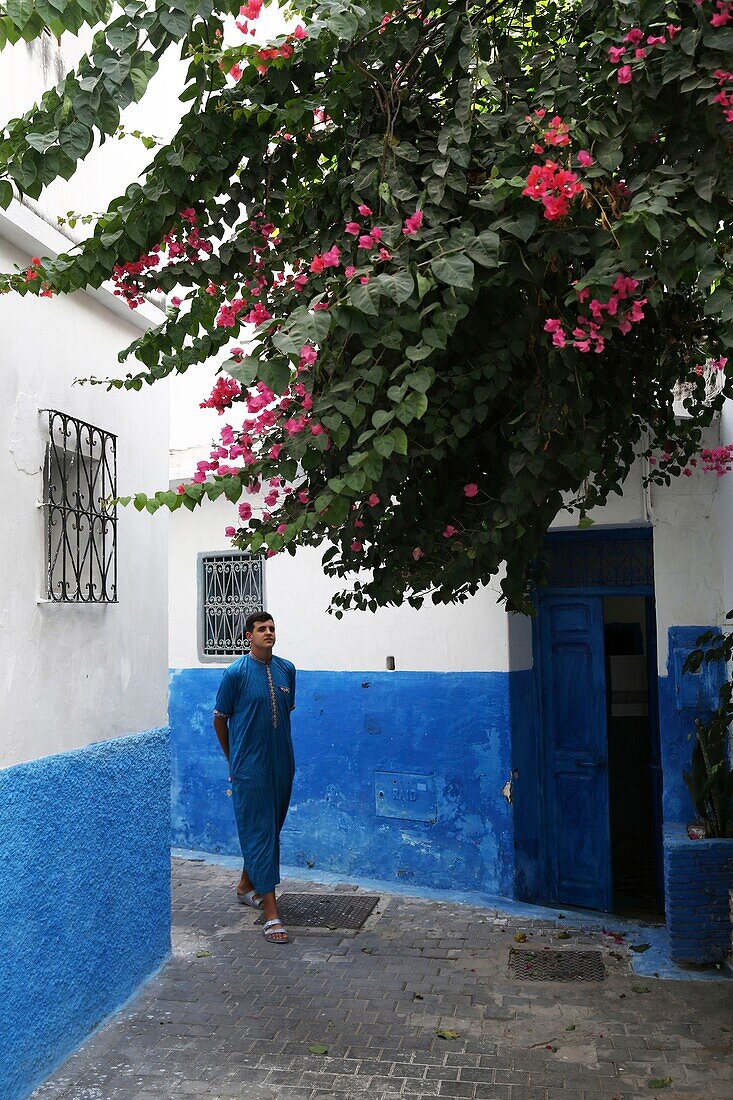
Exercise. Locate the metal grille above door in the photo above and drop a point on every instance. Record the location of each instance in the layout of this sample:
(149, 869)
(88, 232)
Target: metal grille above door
(231, 587)
(614, 560)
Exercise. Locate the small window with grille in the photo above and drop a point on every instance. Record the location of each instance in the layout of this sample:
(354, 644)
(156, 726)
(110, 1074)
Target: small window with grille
(80, 482)
(231, 587)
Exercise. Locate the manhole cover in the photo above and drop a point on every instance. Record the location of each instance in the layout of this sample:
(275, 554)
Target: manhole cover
(324, 910)
(557, 966)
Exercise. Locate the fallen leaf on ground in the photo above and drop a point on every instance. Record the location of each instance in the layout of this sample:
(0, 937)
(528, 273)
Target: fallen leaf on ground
(520, 937)
(417, 997)
(203, 954)
(570, 1027)
(640, 989)
(562, 936)
(639, 947)
(316, 1048)
(444, 1033)
(367, 950)
(659, 1083)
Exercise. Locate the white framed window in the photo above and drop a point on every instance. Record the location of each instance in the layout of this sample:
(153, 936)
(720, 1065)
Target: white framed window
(231, 585)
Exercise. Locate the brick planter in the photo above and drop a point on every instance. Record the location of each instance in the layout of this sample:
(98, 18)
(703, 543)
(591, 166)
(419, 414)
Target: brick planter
(698, 877)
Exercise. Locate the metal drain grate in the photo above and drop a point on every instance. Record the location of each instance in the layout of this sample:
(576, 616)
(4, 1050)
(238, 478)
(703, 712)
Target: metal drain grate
(324, 910)
(557, 966)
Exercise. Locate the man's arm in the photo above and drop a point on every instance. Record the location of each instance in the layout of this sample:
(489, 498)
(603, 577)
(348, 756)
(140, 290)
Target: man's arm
(221, 725)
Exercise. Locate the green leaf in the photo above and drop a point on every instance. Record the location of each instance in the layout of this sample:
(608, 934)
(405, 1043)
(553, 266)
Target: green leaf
(317, 1048)
(19, 11)
(6, 194)
(455, 269)
(276, 374)
(177, 22)
(304, 327)
(485, 248)
(398, 287)
(42, 142)
(365, 297)
(446, 1033)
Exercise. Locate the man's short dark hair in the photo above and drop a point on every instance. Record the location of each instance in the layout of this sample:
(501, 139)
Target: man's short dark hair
(257, 617)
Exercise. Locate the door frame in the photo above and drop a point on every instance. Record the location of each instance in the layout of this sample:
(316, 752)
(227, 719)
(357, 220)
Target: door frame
(588, 591)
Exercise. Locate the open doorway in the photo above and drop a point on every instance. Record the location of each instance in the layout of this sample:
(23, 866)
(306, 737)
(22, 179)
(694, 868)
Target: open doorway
(633, 753)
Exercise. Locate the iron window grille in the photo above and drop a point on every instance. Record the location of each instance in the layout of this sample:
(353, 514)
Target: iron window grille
(231, 587)
(80, 481)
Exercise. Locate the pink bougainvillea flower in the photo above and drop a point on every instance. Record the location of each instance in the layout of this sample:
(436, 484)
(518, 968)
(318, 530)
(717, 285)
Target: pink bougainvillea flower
(616, 53)
(245, 512)
(634, 36)
(673, 31)
(281, 528)
(364, 279)
(356, 546)
(539, 149)
(300, 33)
(384, 254)
(656, 40)
(373, 500)
(585, 160)
(236, 72)
(376, 233)
(450, 531)
(175, 302)
(552, 324)
(230, 532)
(317, 429)
(332, 257)
(366, 242)
(303, 496)
(624, 75)
(417, 553)
(349, 271)
(308, 354)
(413, 224)
(540, 112)
(352, 228)
(470, 490)
(317, 265)
(638, 54)
(365, 211)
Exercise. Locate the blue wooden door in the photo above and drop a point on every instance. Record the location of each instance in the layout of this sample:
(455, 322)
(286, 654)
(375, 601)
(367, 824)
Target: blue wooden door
(576, 750)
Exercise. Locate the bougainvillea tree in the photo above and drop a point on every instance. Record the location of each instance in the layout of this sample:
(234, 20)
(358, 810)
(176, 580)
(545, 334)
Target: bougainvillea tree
(450, 258)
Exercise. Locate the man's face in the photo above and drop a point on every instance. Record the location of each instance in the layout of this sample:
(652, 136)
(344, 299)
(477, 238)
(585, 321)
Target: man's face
(263, 635)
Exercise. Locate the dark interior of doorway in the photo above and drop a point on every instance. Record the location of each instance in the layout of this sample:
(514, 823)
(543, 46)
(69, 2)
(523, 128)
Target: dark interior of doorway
(632, 755)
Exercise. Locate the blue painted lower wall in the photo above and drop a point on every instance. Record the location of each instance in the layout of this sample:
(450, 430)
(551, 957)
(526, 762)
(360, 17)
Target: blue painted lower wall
(84, 895)
(399, 776)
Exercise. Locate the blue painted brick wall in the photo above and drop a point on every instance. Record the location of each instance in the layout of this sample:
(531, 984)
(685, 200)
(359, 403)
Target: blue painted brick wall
(699, 876)
(448, 731)
(84, 895)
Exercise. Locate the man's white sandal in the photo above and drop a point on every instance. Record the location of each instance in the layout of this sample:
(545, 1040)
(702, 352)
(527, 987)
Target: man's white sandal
(251, 898)
(273, 928)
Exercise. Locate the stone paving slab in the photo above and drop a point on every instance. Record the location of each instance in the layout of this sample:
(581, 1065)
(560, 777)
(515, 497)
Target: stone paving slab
(231, 1017)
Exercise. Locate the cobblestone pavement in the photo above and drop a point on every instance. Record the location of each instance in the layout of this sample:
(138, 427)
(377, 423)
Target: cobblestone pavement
(232, 1016)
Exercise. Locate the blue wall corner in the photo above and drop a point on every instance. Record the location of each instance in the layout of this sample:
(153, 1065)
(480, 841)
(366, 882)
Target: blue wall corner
(682, 698)
(84, 895)
(441, 738)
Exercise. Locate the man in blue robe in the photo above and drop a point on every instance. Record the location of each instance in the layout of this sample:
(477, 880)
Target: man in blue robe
(252, 723)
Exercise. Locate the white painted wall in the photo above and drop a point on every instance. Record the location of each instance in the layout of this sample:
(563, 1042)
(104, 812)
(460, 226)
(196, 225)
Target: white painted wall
(70, 674)
(463, 637)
